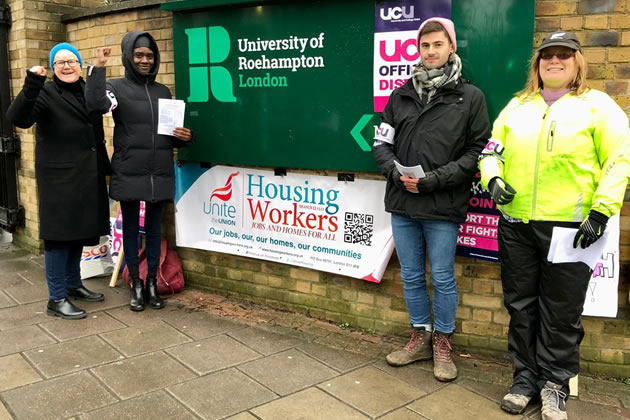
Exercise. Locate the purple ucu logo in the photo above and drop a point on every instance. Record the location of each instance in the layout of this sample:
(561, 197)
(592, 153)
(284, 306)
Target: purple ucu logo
(395, 13)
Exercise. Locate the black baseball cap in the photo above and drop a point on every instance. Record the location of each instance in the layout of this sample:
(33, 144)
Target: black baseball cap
(561, 39)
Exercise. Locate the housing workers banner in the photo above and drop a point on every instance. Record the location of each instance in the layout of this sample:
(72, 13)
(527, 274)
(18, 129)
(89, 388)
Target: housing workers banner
(396, 26)
(309, 221)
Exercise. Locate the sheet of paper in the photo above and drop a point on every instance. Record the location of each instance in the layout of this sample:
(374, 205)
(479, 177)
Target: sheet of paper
(410, 171)
(171, 115)
(561, 248)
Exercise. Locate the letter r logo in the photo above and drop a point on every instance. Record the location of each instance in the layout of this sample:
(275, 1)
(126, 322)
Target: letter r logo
(208, 46)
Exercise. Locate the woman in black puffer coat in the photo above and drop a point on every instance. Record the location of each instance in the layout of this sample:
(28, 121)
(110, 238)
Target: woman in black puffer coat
(142, 164)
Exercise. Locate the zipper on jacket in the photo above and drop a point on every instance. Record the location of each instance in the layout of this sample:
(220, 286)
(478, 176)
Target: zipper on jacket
(146, 88)
(550, 135)
(538, 147)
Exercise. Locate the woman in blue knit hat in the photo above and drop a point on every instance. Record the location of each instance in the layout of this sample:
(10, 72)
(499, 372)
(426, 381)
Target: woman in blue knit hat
(70, 167)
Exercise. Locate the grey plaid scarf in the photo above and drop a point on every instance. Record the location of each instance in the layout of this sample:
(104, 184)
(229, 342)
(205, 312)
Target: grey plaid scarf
(430, 81)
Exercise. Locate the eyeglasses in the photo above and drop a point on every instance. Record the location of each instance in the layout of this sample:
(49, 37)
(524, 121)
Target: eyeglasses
(548, 55)
(62, 64)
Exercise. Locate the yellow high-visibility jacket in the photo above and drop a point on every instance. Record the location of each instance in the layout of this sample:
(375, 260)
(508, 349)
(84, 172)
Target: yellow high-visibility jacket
(563, 160)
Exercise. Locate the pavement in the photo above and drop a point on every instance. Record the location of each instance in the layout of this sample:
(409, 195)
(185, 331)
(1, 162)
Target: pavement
(210, 357)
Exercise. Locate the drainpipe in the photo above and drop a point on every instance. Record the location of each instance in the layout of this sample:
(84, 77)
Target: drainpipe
(11, 214)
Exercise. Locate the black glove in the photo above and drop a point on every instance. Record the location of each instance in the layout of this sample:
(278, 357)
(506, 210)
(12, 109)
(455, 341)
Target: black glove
(501, 192)
(591, 229)
(428, 184)
(33, 83)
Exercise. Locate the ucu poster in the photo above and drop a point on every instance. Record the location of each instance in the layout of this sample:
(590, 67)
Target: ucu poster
(309, 221)
(395, 47)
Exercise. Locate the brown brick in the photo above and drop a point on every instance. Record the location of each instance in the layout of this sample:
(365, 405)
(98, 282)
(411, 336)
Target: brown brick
(482, 286)
(589, 353)
(482, 315)
(610, 341)
(592, 325)
(600, 39)
(367, 298)
(396, 316)
(555, 8)
(595, 55)
(596, 22)
(303, 286)
(573, 23)
(591, 7)
(619, 55)
(479, 342)
(501, 317)
(620, 21)
(478, 301)
(547, 24)
(481, 328)
(617, 88)
(318, 289)
(463, 312)
(625, 38)
(601, 71)
(383, 301)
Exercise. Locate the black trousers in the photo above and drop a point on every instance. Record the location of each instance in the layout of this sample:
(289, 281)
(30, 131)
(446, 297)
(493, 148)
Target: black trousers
(545, 302)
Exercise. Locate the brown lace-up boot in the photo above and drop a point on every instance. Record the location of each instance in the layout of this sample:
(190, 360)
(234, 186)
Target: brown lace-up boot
(418, 348)
(444, 368)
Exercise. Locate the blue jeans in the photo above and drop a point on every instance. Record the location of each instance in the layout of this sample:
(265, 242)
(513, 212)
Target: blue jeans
(63, 270)
(410, 236)
(131, 227)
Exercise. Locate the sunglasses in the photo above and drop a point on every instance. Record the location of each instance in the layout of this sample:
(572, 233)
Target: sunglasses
(548, 55)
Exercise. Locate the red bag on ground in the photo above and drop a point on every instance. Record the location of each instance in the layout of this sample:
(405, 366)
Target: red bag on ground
(170, 277)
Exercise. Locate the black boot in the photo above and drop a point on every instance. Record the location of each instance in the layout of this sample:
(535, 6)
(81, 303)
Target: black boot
(137, 293)
(65, 309)
(154, 299)
(81, 293)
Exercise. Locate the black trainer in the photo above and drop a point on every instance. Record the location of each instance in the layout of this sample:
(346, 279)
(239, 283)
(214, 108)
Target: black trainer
(65, 309)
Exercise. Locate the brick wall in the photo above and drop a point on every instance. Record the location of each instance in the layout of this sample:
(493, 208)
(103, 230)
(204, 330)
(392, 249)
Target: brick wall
(604, 28)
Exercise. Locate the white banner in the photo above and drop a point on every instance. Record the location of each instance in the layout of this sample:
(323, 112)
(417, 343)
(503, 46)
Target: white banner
(304, 220)
(601, 296)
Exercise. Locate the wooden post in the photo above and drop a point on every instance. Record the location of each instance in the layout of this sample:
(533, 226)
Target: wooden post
(121, 254)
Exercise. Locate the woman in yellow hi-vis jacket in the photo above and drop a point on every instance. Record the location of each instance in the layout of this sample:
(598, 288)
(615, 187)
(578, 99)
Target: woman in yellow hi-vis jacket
(557, 157)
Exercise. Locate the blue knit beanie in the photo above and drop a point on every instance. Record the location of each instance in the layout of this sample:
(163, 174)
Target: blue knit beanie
(64, 46)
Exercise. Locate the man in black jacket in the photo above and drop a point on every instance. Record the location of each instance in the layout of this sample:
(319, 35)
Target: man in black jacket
(439, 122)
(142, 163)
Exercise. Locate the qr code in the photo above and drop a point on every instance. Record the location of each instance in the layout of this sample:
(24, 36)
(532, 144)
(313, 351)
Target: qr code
(358, 228)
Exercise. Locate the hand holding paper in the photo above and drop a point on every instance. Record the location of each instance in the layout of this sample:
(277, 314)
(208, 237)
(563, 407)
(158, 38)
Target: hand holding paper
(171, 116)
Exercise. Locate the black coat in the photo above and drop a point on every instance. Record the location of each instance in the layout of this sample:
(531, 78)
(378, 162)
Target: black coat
(70, 159)
(446, 137)
(142, 164)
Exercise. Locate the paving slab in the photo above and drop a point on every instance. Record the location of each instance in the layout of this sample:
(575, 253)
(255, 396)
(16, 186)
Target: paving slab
(22, 315)
(287, 372)
(157, 405)
(310, 404)
(15, 265)
(35, 276)
(113, 299)
(242, 416)
(26, 292)
(13, 252)
(93, 323)
(132, 377)
(16, 372)
(96, 283)
(71, 356)
(58, 398)
(265, 342)
(4, 414)
(23, 338)
(200, 325)
(131, 318)
(341, 360)
(372, 391)
(221, 394)
(145, 338)
(11, 279)
(212, 354)
(582, 410)
(456, 402)
(6, 301)
(402, 414)
(419, 375)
